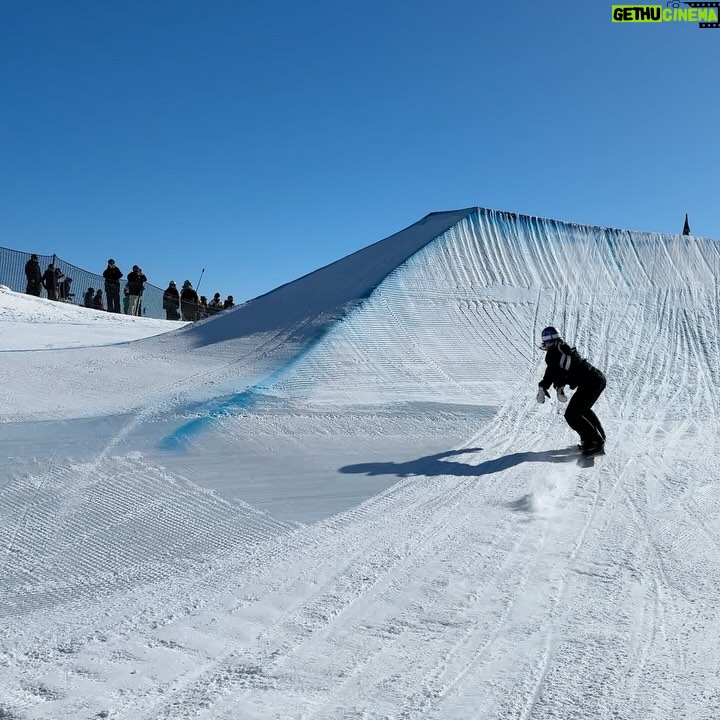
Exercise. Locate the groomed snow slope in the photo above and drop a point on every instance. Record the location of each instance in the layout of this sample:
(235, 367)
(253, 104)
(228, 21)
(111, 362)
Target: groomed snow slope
(363, 513)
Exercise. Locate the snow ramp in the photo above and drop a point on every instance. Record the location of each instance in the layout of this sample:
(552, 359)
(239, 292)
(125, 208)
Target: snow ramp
(450, 311)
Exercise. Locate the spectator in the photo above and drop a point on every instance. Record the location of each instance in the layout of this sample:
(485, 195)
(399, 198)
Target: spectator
(98, 301)
(63, 283)
(112, 275)
(126, 300)
(215, 305)
(34, 276)
(202, 307)
(60, 288)
(135, 284)
(188, 302)
(171, 301)
(228, 303)
(49, 282)
(88, 297)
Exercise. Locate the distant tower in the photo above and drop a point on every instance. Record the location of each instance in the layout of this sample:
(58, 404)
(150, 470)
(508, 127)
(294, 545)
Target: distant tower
(686, 227)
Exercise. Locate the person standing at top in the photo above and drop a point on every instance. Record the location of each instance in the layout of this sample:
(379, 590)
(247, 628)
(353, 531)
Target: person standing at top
(188, 302)
(565, 366)
(62, 285)
(135, 284)
(88, 297)
(112, 275)
(229, 303)
(33, 275)
(171, 301)
(49, 282)
(216, 304)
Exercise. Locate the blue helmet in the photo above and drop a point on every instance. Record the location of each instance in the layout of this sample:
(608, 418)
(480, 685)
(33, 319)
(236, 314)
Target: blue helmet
(549, 336)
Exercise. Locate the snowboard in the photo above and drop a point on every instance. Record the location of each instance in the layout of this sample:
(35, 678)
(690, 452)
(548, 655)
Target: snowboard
(593, 453)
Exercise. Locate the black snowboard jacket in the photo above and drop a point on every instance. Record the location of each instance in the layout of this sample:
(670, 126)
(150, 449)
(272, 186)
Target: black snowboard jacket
(565, 366)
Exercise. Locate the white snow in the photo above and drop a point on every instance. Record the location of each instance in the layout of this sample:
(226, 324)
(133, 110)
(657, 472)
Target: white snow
(341, 499)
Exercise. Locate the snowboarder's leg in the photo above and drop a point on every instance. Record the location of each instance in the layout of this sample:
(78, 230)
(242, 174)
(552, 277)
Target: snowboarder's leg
(593, 419)
(578, 422)
(589, 413)
(581, 418)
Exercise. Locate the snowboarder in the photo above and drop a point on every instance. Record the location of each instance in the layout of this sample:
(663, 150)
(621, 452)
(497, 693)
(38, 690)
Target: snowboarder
(565, 366)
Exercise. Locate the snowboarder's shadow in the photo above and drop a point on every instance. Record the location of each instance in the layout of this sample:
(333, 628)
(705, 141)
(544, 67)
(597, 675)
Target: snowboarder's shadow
(432, 465)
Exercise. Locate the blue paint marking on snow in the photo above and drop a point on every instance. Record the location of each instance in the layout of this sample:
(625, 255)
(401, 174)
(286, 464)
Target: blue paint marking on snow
(246, 400)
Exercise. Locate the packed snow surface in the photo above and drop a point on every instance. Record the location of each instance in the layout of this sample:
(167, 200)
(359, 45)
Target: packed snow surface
(341, 499)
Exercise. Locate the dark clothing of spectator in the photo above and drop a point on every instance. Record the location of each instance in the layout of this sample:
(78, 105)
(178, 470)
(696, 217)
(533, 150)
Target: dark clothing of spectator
(34, 276)
(171, 302)
(228, 303)
(88, 298)
(98, 301)
(136, 280)
(49, 282)
(112, 275)
(188, 302)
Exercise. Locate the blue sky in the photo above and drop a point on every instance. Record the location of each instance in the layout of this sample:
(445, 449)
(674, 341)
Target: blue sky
(261, 141)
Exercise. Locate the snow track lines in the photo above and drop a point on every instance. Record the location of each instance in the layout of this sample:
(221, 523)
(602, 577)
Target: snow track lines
(79, 530)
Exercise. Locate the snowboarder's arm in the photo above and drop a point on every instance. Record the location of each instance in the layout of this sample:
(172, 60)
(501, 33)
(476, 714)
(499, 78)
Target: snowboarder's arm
(547, 379)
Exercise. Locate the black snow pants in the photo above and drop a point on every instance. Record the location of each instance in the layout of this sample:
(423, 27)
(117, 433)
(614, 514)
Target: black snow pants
(579, 414)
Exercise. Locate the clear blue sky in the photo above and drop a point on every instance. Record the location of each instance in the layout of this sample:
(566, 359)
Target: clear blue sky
(264, 140)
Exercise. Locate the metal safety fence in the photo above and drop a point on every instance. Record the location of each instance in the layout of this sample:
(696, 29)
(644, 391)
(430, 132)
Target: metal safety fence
(75, 283)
